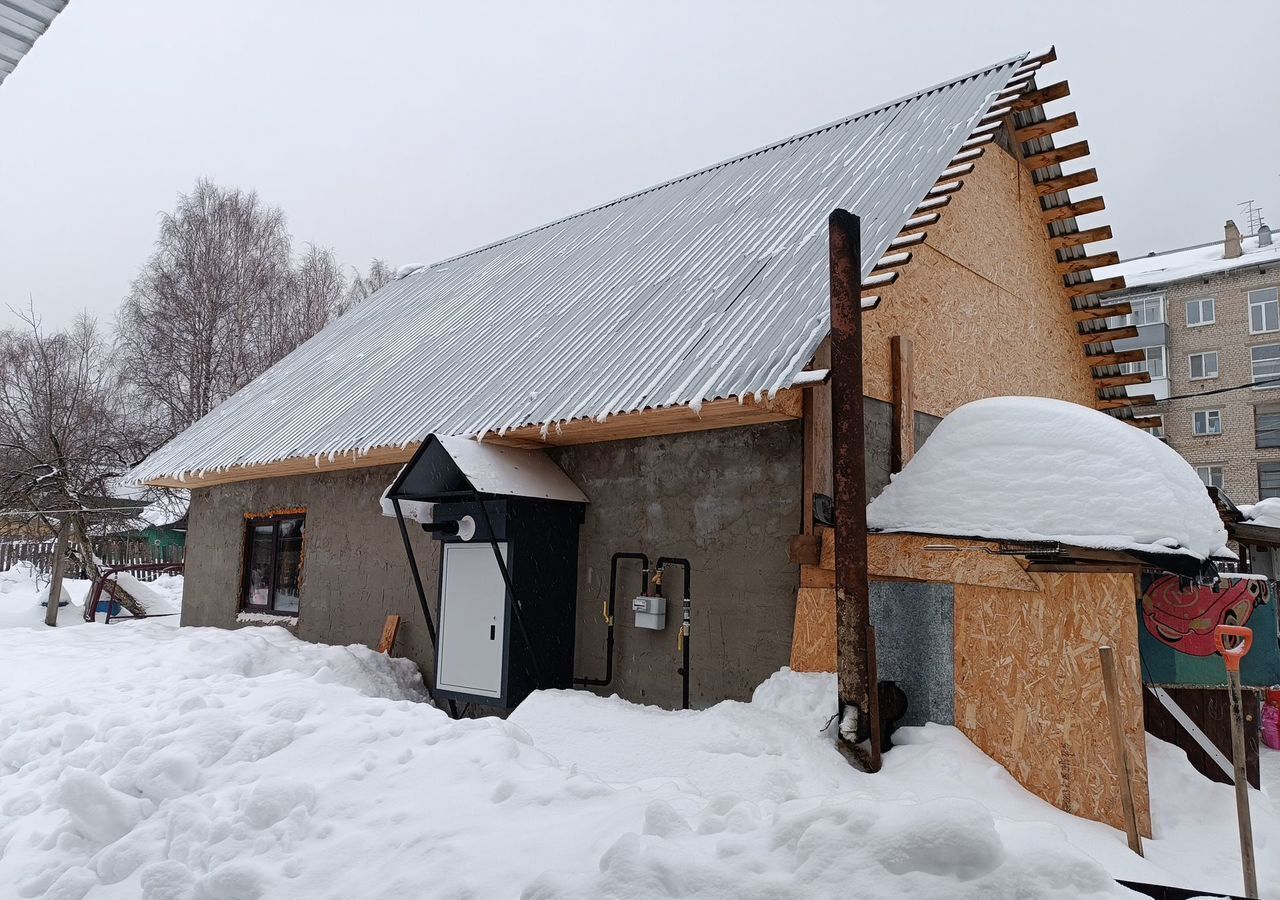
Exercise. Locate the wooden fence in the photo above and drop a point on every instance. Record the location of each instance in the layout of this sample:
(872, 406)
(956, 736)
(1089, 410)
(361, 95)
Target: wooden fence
(112, 553)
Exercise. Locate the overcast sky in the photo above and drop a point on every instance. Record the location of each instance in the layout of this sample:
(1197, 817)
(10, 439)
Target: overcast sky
(414, 130)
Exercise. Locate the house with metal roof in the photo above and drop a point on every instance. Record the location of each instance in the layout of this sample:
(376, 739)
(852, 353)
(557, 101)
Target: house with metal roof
(620, 421)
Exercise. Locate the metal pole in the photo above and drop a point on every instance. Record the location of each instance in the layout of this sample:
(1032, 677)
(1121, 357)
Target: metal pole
(1232, 657)
(855, 673)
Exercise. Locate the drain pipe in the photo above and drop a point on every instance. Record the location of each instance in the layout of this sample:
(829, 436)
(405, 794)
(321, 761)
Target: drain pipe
(609, 607)
(682, 636)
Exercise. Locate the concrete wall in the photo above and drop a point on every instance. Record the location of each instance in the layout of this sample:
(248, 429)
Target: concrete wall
(727, 500)
(354, 572)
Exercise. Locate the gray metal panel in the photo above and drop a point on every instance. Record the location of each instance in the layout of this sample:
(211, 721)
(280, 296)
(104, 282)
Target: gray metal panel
(713, 285)
(21, 23)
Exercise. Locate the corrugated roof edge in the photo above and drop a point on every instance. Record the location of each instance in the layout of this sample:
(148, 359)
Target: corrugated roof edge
(905, 98)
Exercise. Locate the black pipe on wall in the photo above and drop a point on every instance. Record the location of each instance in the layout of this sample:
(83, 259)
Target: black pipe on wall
(609, 614)
(663, 562)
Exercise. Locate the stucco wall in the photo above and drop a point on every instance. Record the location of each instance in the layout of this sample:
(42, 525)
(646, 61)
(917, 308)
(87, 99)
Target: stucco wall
(354, 572)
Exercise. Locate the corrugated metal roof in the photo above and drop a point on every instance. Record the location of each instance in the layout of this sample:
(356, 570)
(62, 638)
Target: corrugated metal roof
(21, 23)
(708, 286)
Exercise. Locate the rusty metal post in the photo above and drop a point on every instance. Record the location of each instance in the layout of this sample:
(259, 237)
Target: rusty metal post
(855, 671)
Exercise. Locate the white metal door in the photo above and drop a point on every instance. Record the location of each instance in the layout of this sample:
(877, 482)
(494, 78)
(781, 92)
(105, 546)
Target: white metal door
(472, 620)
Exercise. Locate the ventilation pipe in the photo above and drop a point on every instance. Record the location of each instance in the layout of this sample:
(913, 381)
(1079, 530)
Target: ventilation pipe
(1264, 235)
(1231, 248)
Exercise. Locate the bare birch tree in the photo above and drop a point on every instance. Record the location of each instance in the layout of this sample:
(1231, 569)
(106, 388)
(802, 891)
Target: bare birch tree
(380, 273)
(65, 436)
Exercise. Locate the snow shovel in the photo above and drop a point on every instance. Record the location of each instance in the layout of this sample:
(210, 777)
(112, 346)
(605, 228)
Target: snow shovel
(1232, 656)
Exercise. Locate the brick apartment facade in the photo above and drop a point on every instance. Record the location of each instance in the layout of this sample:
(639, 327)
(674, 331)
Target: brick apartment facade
(1210, 324)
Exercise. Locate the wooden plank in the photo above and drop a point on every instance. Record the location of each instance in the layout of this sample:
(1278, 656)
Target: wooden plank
(1066, 182)
(921, 221)
(389, 631)
(1084, 263)
(933, 203)
(956, 171)
(813, 636)
(1109, 334)
(908, 240)
(902, 557)
(1107, 381)
(1039, 97)
(1208, 708)
(875, 282)
(1146, 421)
(1047, 127)
(1087, 288)
(1057, 155)
(892, 261)
(967, 155)
(817, 577)
(1115, 719)
(804, 549)
(817, 475)
(1090, 313)
(1076, 238)
(1125, 402)
(1071, 210)
(902, 356)
(946, 187)
(1117, 358)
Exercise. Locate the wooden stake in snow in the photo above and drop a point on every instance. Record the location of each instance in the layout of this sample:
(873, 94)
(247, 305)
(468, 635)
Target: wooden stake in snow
(55, 575)
(1232, 657)
(1111, 687)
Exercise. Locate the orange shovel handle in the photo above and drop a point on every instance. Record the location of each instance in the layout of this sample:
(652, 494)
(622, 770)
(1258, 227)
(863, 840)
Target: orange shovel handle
(1232, 655)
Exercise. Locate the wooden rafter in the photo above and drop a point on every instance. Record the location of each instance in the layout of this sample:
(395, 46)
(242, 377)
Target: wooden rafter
(1116, 358)
(1073, 210)
(1127, 402)
(1086, 288)
(1109, 334)
(1057, 155)
(1101, 382)
(1066, 182)
(1076, 238)
(1041, 97)
(1085, 263)
(1045, 128)
(1088, 314)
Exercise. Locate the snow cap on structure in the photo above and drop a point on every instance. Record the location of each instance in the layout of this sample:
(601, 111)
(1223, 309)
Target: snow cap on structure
(1034, 469)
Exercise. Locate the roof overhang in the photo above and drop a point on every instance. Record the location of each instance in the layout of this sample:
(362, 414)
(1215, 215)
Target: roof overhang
(22, 22)
(444, 468)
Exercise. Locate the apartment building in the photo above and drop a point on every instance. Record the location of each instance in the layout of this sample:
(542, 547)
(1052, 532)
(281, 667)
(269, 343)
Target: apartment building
(1207, 319)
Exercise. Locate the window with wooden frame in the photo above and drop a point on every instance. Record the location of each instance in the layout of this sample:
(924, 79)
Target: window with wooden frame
(1207, 421)
(273, 563)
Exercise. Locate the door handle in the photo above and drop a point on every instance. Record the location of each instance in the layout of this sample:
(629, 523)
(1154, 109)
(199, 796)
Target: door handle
(493, 632)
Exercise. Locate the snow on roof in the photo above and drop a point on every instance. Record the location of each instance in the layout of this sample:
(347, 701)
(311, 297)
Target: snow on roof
(1033, 469)
(1265, 513)
(511, 472)
(709, 286)
(1190, 262)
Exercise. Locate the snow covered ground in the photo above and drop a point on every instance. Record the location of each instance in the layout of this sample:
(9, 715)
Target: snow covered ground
(144, 760)
(22, 593)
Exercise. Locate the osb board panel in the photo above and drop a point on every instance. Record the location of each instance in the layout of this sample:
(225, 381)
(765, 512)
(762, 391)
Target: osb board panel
(904, 556)
(813, 640)
(1029, 688)
(982, 301)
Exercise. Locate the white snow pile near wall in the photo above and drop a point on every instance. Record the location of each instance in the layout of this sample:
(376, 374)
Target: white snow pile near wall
(1265, 513)
(139, 761)
(1029, 468)
(22, 591)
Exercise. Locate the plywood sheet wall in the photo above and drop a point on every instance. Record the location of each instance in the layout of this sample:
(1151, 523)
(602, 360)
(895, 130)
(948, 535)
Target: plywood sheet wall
(982, 301)
(1029, 687)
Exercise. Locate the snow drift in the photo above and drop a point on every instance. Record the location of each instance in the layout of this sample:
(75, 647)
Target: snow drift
(1029, 468)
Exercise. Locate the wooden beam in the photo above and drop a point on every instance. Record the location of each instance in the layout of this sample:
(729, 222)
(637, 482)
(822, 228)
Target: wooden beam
(902, 356)
(1125, 402)
(1042, 96)
(1069, 210)
(1045, 128)
(1066, 182)
(930, 203)
(908, 240)
(1057, 155)
(1085, 288)
(389, 631)
(1090, 313)
(967, 155)
(1109, 334)
(1107, 381)
(946, 187)
(817, 476)
(920, 221)
(892, 261)
(956, 171)
(1123, 768)
(804, 549)
(1146, 421)
(1084, 263)
(1116, 358)
(977, 141)
(1076, 238)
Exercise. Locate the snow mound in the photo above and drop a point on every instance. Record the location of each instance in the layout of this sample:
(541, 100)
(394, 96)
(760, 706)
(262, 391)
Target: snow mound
(1030, 468)
(1265, 513)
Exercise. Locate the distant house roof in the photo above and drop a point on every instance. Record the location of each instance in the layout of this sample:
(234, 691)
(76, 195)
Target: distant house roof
(1190, 262)
(21, 23)
(709, 286)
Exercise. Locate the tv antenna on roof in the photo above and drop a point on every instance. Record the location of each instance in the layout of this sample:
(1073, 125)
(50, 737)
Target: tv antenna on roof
(1252, 216)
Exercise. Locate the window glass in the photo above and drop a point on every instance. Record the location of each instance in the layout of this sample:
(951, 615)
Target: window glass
(1146, 311)
(1266, 364)
(1266, 424)
(1207, 421)
(1210, 475)
(1154, 363)
(1200, 312)
(258, 579)
(1268, 480)
(1264, 310)
(273, 564)
(1204, 365)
